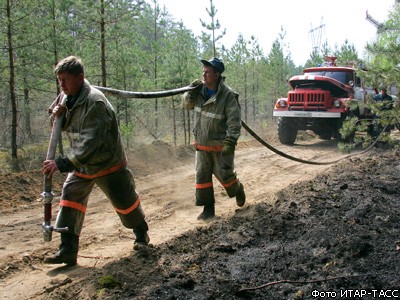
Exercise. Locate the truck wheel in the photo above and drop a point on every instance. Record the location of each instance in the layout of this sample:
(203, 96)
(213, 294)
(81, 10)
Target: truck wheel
(287, 130)
(325, 136)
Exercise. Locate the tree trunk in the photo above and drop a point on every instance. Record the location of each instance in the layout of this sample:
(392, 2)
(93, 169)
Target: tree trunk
(28, 129)
(103, 45)
(55, 53)
(184, 126)
(155, 48)
(174, 120)
(188, 127)
(13, 96)
(245, 96)
(27, 109)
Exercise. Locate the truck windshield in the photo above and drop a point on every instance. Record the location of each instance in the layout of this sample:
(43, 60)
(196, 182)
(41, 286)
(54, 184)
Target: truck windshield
(343, 77)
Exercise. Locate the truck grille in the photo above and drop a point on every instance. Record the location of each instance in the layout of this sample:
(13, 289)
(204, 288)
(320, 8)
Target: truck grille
(309, 99)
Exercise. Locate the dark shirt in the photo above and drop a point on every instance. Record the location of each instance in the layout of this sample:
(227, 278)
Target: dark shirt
(381, 97)
(386, 99)
(71, 100)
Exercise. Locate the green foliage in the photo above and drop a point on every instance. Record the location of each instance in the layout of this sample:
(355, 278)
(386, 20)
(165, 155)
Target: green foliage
(346, 147)
(388, 120)
(213, 27)
(108, 282)
(352, 105)
(349, 127)
(347, 54)
(383, 66)
(126, 130)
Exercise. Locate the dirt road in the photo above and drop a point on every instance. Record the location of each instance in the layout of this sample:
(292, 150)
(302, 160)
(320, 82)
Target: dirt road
(167, 199)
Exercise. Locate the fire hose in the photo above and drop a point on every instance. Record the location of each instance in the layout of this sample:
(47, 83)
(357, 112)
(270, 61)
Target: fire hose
(173, 92)
(48, 194)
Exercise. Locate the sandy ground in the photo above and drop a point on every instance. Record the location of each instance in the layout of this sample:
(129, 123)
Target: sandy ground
(165, 181)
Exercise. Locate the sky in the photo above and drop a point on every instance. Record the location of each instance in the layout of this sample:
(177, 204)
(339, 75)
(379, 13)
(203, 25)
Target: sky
(307, 23)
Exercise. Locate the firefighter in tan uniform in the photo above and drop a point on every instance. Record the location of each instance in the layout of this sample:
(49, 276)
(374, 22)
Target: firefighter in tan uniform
(217, 125)
(96, 156)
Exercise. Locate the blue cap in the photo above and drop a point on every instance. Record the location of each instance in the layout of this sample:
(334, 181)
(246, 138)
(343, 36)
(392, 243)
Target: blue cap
(216, 63)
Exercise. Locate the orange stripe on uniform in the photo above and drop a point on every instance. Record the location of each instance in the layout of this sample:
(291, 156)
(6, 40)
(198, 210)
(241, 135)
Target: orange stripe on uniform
(74, 205)
(209, 148)
(204, 185)
(102, 173)
(226, 185)
(129, 209)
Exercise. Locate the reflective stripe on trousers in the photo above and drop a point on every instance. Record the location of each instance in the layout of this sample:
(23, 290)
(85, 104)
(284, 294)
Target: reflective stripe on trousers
(222, 166)
(119, 187)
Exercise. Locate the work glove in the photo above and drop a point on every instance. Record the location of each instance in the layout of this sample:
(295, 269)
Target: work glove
(229, 148)
(193, 94)
(196, 82)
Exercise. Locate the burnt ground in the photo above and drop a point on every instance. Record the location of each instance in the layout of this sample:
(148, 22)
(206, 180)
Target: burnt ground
(338, 230)
(334, 233)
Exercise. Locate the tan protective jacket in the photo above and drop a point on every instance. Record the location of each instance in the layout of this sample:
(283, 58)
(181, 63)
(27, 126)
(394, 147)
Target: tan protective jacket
(91, 126)
(216, 119)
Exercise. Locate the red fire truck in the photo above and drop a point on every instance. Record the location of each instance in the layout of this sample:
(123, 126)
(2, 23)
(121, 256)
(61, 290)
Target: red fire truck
(318, 101)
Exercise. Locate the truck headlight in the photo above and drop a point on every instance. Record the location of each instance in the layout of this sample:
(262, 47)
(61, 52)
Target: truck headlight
(336, 103)
(281, 103)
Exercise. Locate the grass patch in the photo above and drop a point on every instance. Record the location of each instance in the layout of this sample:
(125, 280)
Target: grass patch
(108, 282)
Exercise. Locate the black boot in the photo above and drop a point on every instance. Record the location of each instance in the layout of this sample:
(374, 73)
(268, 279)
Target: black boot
(240, 196)
(68, 252)
(142, 238)
(208, 212)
